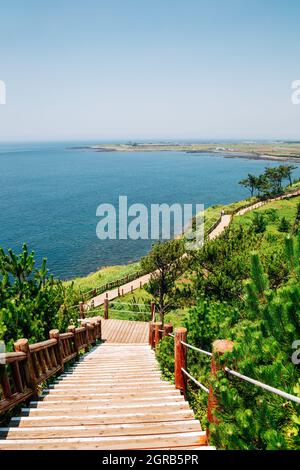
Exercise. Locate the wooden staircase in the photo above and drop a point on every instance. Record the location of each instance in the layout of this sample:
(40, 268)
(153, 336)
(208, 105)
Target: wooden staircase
(113, 398)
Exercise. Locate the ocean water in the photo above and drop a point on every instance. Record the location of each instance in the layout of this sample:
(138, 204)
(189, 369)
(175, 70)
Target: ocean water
(49, 194)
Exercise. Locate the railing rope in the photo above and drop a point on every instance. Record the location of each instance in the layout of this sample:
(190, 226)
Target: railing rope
(200, 385)
(274, 390)
(197, 349)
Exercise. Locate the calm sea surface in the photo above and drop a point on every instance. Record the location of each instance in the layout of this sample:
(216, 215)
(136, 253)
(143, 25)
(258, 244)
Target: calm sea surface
(49, 195)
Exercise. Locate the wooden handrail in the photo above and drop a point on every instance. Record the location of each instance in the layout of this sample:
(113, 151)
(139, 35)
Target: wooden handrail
(31, 364)
(36, 347)
(10, 357)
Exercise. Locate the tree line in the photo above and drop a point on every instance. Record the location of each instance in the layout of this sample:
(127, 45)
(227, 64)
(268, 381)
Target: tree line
(271, 182)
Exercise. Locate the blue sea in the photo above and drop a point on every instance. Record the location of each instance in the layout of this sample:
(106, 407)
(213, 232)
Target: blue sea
(49, 194)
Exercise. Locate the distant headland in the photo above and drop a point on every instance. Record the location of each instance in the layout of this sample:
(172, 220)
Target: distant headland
(283, 151)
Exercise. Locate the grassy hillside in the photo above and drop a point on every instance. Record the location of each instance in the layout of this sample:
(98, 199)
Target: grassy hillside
(273, 212)
(103, 276)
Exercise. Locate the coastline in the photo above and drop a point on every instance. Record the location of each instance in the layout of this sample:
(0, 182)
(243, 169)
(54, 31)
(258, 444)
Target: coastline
(289, 152)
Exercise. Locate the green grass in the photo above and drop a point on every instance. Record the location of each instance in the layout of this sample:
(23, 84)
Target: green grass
(285, 208)
(103, 276)
(140, 296)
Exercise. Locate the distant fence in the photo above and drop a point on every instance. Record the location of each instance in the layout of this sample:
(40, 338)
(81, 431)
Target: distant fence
(112, 285)
(117, 310)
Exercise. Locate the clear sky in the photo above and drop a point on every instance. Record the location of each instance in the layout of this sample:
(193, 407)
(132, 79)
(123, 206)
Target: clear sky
(134, 69)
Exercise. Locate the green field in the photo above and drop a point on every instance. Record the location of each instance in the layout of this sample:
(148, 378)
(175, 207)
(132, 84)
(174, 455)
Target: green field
(103, 276)
(286, 208)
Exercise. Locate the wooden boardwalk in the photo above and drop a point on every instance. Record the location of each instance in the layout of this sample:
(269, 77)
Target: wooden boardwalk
(113, 398)
(125, 331)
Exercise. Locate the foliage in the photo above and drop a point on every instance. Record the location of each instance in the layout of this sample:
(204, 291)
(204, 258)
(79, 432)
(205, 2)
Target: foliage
(262, 317)
(263, 348)
(259, 223)
(270, 183)
(166, 263)
(103, 276)
(222, 265)
(30, 299)
(284, 225)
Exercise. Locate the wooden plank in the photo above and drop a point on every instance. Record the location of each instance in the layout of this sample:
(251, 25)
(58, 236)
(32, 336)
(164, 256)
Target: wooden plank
(100, 374)
(112, 443)
(81, 388)
(102, 430)
(94, 383)
(113, 394)
(104, 409)
(114, 399)
(102, 418)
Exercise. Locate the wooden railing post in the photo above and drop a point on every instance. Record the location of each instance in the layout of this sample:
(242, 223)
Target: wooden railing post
(54, 334)
(168, 328)
(72, 329)
(157, 333)
(180, 359)
(4, 380)
(81, 310)
(106, 308)
(151, 334)
(87, 335)
(219, 347)
(92, 329)
(99, 328)
(152, 311)
(22, 345)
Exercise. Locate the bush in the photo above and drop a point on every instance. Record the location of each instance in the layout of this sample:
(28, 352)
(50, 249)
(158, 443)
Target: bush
(284, 225)
(30, 299)
(259, 223)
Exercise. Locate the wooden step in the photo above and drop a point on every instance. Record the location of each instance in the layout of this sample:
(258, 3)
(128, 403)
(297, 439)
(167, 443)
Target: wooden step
(133, 429)
(113, 398)
(55, 395)
(109, 387)
(103, 374)
(105, 401)
(101, 383)
(194, 438)
(101, 418)
(104, 409)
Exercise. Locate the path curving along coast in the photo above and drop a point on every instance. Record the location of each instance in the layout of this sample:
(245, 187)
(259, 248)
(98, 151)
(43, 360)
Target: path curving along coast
(224, 222)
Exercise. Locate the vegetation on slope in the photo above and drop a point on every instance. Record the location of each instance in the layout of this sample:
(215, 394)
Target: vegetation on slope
(103, 276)
(261, 316)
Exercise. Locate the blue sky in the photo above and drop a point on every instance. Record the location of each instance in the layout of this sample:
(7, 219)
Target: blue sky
(134, 69)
